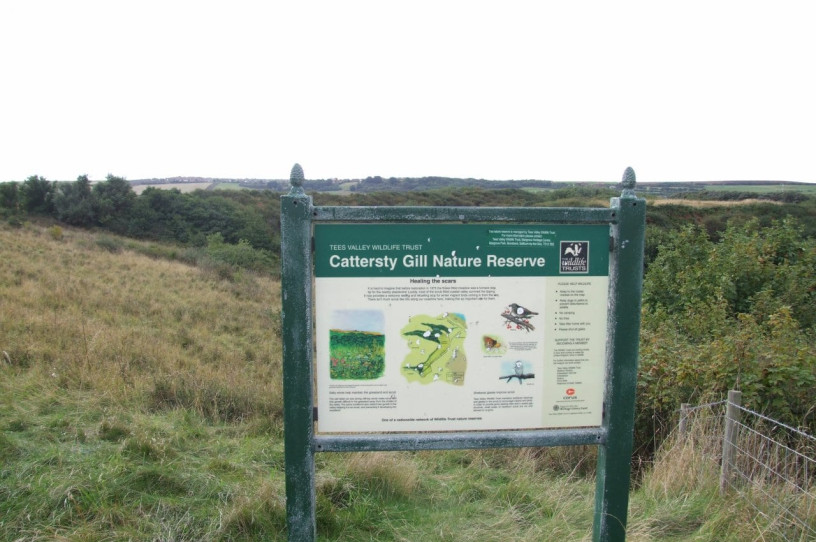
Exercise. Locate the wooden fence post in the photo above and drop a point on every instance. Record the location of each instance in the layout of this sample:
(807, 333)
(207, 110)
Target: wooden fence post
(685, 409)
(732, 418)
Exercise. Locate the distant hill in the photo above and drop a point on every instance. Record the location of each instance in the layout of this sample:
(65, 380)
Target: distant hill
(410, 184)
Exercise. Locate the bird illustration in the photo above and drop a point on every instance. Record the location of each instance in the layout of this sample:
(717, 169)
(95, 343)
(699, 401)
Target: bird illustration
(521, 312)
(518, 372)
(437, 329)
(426, 334)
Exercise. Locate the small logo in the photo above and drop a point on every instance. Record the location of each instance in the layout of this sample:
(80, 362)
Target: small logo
(574, 257)
(571, 391)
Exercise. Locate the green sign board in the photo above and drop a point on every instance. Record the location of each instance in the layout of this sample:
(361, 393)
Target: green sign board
(428, 328)
(460, 327)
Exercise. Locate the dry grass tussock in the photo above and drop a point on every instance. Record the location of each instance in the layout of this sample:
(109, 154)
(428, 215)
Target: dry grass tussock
(129, 328)
(688, 462)
(680, 498)
(390, 474)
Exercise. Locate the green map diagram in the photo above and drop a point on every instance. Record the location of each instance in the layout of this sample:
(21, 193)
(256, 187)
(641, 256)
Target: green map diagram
(436, 346)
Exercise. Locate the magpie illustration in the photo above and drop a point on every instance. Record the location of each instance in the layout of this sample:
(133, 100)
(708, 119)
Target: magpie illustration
(521, 312)
(518, 315)
(426, 334)
(437, 329)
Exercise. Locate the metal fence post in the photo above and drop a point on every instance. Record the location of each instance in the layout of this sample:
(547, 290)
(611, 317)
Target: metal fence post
(729, 452)
(626, 281)
(296, 263)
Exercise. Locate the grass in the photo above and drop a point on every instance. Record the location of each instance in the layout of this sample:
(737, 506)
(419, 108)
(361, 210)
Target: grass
(140, 399)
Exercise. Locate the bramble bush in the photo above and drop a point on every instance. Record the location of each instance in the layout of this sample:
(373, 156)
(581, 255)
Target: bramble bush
(733, 314)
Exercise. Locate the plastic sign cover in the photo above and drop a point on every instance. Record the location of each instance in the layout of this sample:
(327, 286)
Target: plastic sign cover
(460, 327)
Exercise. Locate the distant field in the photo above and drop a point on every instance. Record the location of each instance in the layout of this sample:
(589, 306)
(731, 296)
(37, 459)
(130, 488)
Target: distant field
(183, 187)
(708, 203)
(228, 186)
(762, 188)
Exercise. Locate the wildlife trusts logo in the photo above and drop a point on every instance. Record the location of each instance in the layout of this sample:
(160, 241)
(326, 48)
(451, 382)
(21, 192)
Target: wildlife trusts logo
(574, 257)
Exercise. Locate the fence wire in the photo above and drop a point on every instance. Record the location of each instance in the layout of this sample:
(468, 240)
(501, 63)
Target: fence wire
(772, 467)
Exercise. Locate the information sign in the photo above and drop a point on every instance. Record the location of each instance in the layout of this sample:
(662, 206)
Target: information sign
(460, 327)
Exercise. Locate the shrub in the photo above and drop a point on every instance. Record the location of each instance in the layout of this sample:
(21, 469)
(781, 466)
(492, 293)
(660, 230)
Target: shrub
(55, 232)
(111, 244)
(239, 256)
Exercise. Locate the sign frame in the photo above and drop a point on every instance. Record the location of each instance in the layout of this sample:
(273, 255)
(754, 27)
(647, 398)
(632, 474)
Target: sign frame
(626, 220)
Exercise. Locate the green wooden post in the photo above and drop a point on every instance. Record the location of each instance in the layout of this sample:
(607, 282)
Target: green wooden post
(626, 279)
(296, 289)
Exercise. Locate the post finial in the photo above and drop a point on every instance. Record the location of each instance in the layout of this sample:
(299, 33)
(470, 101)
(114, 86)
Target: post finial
(628, 183)
(296, 179)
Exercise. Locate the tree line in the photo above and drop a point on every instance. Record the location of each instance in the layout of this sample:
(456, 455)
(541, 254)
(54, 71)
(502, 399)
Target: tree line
(239, 226)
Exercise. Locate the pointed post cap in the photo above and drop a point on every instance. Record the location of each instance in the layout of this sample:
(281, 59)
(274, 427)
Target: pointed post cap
(296, 179)
(628, 183)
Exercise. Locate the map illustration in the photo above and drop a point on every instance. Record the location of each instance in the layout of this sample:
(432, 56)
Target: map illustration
(436, 346)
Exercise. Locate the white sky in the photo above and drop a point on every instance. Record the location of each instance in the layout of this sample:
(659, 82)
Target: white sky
(565, 91)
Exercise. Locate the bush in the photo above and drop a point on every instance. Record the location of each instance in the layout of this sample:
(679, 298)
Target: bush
(55, 232)
(241, 256)
(111, 244)
(735, 314)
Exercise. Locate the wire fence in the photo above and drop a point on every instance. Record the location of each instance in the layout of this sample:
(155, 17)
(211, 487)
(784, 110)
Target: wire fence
(768, 465)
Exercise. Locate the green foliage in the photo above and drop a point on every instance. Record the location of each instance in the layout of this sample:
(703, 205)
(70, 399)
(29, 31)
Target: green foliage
(732, 314)
(751, 268)
(241, 255)
(10, 196)
(55, 232)
(716, 218)
(73, 202)
(36, 195)
(111, 244)
(169, 215)
(113, 200)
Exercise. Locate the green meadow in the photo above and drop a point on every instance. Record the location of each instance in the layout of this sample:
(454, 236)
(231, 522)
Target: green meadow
(140, 399)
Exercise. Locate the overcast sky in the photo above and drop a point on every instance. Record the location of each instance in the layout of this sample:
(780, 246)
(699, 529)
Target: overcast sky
(564, 91)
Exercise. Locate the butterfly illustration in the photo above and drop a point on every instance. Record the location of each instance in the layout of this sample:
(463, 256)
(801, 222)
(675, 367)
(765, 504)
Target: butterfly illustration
(490, 343)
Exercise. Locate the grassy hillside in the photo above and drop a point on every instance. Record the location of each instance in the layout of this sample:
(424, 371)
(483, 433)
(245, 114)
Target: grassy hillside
(140, 399)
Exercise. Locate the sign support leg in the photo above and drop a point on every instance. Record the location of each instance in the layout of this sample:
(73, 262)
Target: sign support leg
(626, 280)
(296, 288)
